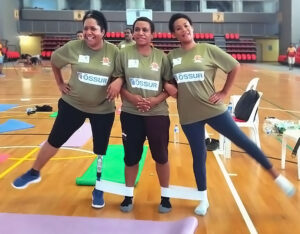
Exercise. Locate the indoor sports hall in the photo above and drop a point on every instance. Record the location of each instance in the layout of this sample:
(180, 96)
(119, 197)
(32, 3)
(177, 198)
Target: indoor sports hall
(243, 197)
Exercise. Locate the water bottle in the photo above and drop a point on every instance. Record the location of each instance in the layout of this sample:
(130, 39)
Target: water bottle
(230, 108)
(30, 111)
(267, 127)
(176, 134)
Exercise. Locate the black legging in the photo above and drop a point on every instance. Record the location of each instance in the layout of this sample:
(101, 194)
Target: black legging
(225, 125)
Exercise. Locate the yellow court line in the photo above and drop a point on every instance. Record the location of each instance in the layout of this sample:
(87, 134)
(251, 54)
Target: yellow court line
(59, 158)
(18, 163)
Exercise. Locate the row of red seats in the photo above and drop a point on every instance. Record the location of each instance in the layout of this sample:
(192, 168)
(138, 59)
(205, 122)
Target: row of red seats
(10, 55)
(244, 57)
(232, 36)
(46, 54)
(204, 36)
(163, 35)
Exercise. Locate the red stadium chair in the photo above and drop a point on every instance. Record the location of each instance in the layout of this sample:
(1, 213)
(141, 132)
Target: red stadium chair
(227, 36)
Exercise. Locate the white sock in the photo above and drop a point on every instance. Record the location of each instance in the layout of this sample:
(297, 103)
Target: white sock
(201, 209)
(286, 186)
(129, 191)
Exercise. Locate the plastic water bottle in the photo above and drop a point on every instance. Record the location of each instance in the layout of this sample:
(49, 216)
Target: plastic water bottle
(30, 111)
(229, 108)
(176, 134)
(267, 127)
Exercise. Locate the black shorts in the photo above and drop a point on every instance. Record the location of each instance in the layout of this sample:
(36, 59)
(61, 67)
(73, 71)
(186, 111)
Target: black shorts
(69, 119)
(136, 128)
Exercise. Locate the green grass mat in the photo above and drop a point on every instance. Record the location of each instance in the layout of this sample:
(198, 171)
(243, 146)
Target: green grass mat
(112, 167)
(54, 114)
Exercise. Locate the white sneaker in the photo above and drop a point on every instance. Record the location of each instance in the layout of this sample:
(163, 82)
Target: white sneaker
(201, 209)
(286, 186)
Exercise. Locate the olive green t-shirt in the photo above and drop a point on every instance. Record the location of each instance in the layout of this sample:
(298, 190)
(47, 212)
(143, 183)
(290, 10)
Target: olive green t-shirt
(195, 72)
(90, 75)
(143, 75)
(124, 44)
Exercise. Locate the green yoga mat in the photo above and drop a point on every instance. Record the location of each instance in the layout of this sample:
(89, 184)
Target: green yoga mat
(112, 167)
(53, 115)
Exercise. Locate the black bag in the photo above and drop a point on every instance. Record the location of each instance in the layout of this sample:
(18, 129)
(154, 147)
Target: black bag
(245, 104)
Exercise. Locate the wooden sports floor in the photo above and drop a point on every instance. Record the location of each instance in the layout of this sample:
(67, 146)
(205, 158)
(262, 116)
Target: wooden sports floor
(243, 198)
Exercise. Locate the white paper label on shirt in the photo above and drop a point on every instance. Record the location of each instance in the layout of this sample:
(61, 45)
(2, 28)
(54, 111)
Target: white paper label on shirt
(177, 61)
(92, 79)
(192, 76)
(84, 59)
(122, 46)
(133, 63)
(144, 84)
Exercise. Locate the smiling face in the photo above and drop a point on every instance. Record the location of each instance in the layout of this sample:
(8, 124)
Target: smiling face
(142, 33)
(183, 31)
(92, 34)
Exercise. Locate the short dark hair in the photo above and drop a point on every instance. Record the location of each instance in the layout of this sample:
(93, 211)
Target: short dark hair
(176, 17)
(130, 29)
(145, 19)
(99, 17)
(79, 31)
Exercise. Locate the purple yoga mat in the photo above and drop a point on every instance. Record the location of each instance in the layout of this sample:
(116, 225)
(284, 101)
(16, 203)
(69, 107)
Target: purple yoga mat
(80, 137)
(48, 224)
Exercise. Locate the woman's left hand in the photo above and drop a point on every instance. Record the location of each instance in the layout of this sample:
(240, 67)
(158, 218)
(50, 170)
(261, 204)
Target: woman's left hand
(217, 97)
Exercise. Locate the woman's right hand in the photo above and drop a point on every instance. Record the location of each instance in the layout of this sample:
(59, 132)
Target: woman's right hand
(64, 88)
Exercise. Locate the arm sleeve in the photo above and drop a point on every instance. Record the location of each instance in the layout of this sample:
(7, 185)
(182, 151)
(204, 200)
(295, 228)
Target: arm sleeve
(221, 59)
(119, 66)
(60, 57)
(166, 69)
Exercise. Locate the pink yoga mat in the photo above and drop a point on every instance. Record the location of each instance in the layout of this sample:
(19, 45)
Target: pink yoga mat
(3, 157)
(80, 137)
(48, 224)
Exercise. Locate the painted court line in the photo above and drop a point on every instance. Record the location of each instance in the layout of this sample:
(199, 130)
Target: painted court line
(236, 196)
(18, 163)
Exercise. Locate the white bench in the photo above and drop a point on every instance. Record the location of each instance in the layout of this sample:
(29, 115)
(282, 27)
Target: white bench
(290, 134)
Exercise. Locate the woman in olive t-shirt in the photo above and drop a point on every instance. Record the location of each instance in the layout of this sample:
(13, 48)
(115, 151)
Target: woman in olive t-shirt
(144, 109)
(87, 94)
(194, 68)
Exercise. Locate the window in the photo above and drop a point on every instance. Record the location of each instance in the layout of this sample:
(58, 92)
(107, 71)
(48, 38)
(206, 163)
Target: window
(155, 5)
(113, 5)
(41, 4)
(253, 6)
(78, 4)
(222, 6)
(185, 6)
